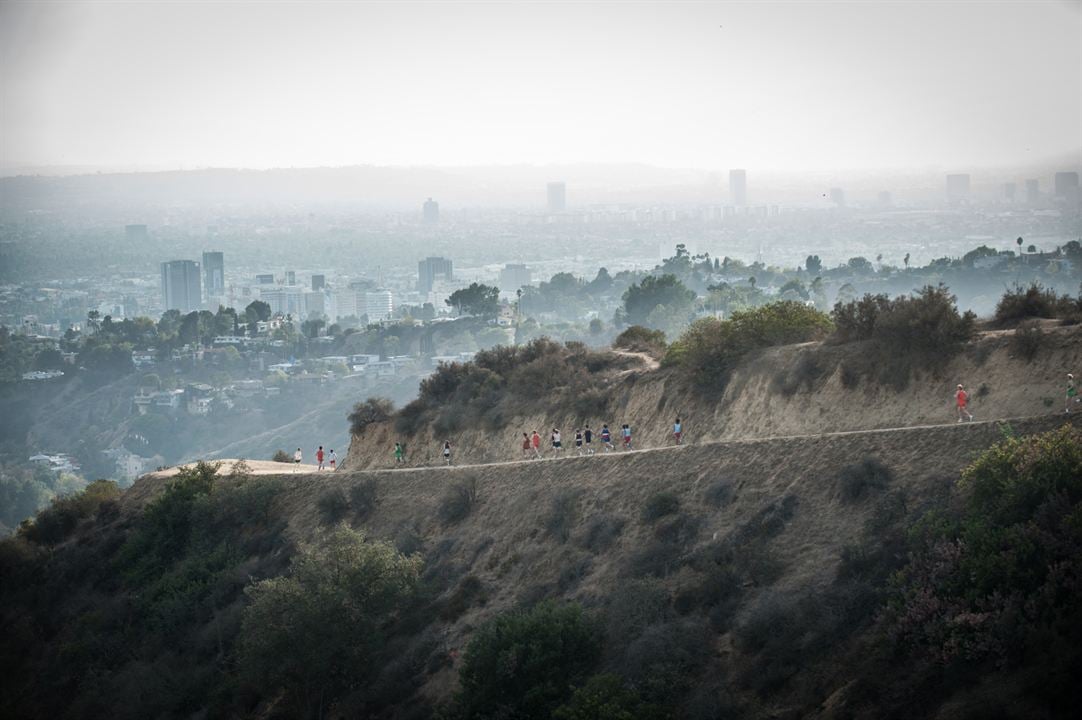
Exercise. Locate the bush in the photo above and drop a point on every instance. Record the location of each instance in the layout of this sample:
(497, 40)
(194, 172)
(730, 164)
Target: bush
(55, 523)
(659, 505)
(470, 591)
(857, 481)
(663, 660)
(364, 498)
(710, 349)
(719, 494)
(526, 663)
(281, 456)
(804, 373)
(562, 515)
(641, 339)
(457, 502)
(1027, 340)
(605, 697)
(1035, 301)
(373, 410)
(333, 505)
(315, 632)
(600, 532)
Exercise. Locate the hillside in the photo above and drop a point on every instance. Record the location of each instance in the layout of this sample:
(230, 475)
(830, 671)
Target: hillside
(781, 391)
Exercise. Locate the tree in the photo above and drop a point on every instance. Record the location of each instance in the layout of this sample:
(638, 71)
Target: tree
(640, 300)
(477, 299)
(428, 311)
(813, 264)
(315, 631)
(601, 283)
(373, 410)
(596, 327)
(860, 265)
(257, 311)
(311, 328)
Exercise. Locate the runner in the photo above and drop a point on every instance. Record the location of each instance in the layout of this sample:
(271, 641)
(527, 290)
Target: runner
(606, 438)
(626, 431)
(578, 442)
(1072, 392)
(535, 441)
(588, 437)
(297, 460)
(334, 461)
(677, 430)
(447, 451)
(961, 398)
(557, 446)
(525, 445)
(398, 452)
(319, 458)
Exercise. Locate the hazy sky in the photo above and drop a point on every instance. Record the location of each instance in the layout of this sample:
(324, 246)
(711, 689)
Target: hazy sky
(767, 85)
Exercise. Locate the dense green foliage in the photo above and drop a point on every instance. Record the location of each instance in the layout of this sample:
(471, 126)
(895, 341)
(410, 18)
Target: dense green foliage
(640, 339)
(371, 411)
(711, 348)
(658, 302)
(477, 299)
(1034, 302)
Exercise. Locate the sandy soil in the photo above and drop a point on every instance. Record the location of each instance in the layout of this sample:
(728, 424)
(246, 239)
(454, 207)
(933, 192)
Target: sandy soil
(257, 467)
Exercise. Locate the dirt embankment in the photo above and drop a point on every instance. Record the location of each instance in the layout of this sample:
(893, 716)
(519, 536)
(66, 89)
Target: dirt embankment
(766, 397)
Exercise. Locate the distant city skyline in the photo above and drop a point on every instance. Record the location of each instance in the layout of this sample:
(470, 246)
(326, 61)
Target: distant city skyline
(793, 86)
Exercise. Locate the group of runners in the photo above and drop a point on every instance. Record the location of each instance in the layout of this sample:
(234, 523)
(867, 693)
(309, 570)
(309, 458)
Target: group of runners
(325, 461)
(961, 399)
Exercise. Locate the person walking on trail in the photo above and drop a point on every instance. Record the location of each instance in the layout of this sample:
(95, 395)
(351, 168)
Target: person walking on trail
(557, 445)
(447, 452)
(606, 438)
(1072, 392)
(961, 399)
(626, 431)
(677, 430)
(297, 460)
(319, 458)
(398, 453)
(525, 445)
(578, 442)
(333, 461)
(535, 442)
(588, 438)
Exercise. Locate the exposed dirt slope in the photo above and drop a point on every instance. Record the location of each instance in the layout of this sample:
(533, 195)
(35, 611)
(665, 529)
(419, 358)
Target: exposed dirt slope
(784, 491)
(755, 404)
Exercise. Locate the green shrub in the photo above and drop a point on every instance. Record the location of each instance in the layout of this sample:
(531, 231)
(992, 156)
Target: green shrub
(281, 456)
(470, 591)
(1027, 340)
(641, 339)
(56, 522)
(526, 663)
(333, 505)
(457, 502)
(1035, 301)
(563, 515)
(364, 498)
(857, 481)
(600, 532)
(719, 494)
(659, 505)
(314, 632)
(371, 411)
(605, 697)
(710, 349)
(663, 661)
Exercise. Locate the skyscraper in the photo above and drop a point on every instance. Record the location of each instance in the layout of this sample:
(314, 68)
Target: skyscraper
(1066, 184)
(180, 286)
(1033, 190)
(291, 277)
(738, 187)
(958, 187)
(378, 305)
(431, 211)
(319, 282)
(557, 197)
(214, 274)
(430, 269)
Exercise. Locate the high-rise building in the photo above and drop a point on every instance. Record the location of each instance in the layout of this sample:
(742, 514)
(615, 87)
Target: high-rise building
(958, 187)
(378, 305)
(1066, 185)
(430, 269)
(837, 196)
(557, 197)
(264, 279)
(285, 299)
(1033, 190)
(136, 233)
(180, 286)
(1009, 190)
(291, 277)
(214, 274)
(319, 282)
(431, 211)
(738, 187)
(514, 276)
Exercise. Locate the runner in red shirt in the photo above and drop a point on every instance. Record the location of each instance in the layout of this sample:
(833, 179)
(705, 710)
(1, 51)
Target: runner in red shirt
(319, 457)
(536, 442)
(961, 398)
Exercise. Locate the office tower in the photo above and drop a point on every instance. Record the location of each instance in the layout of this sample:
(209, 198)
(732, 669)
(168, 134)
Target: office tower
(958, 187)
(214, 274)
(514, 276)
(429, 270)
(265, 279)
(291, 277)
(1066, 185)
(1033, 190)
(837, 196)
(378, 305)
(286, 300)
(180, 286)
(136, 233)
(884, 199)
(557, 195)
(319, 282)
(431, 211)
(1008, 191)
(738, 187)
